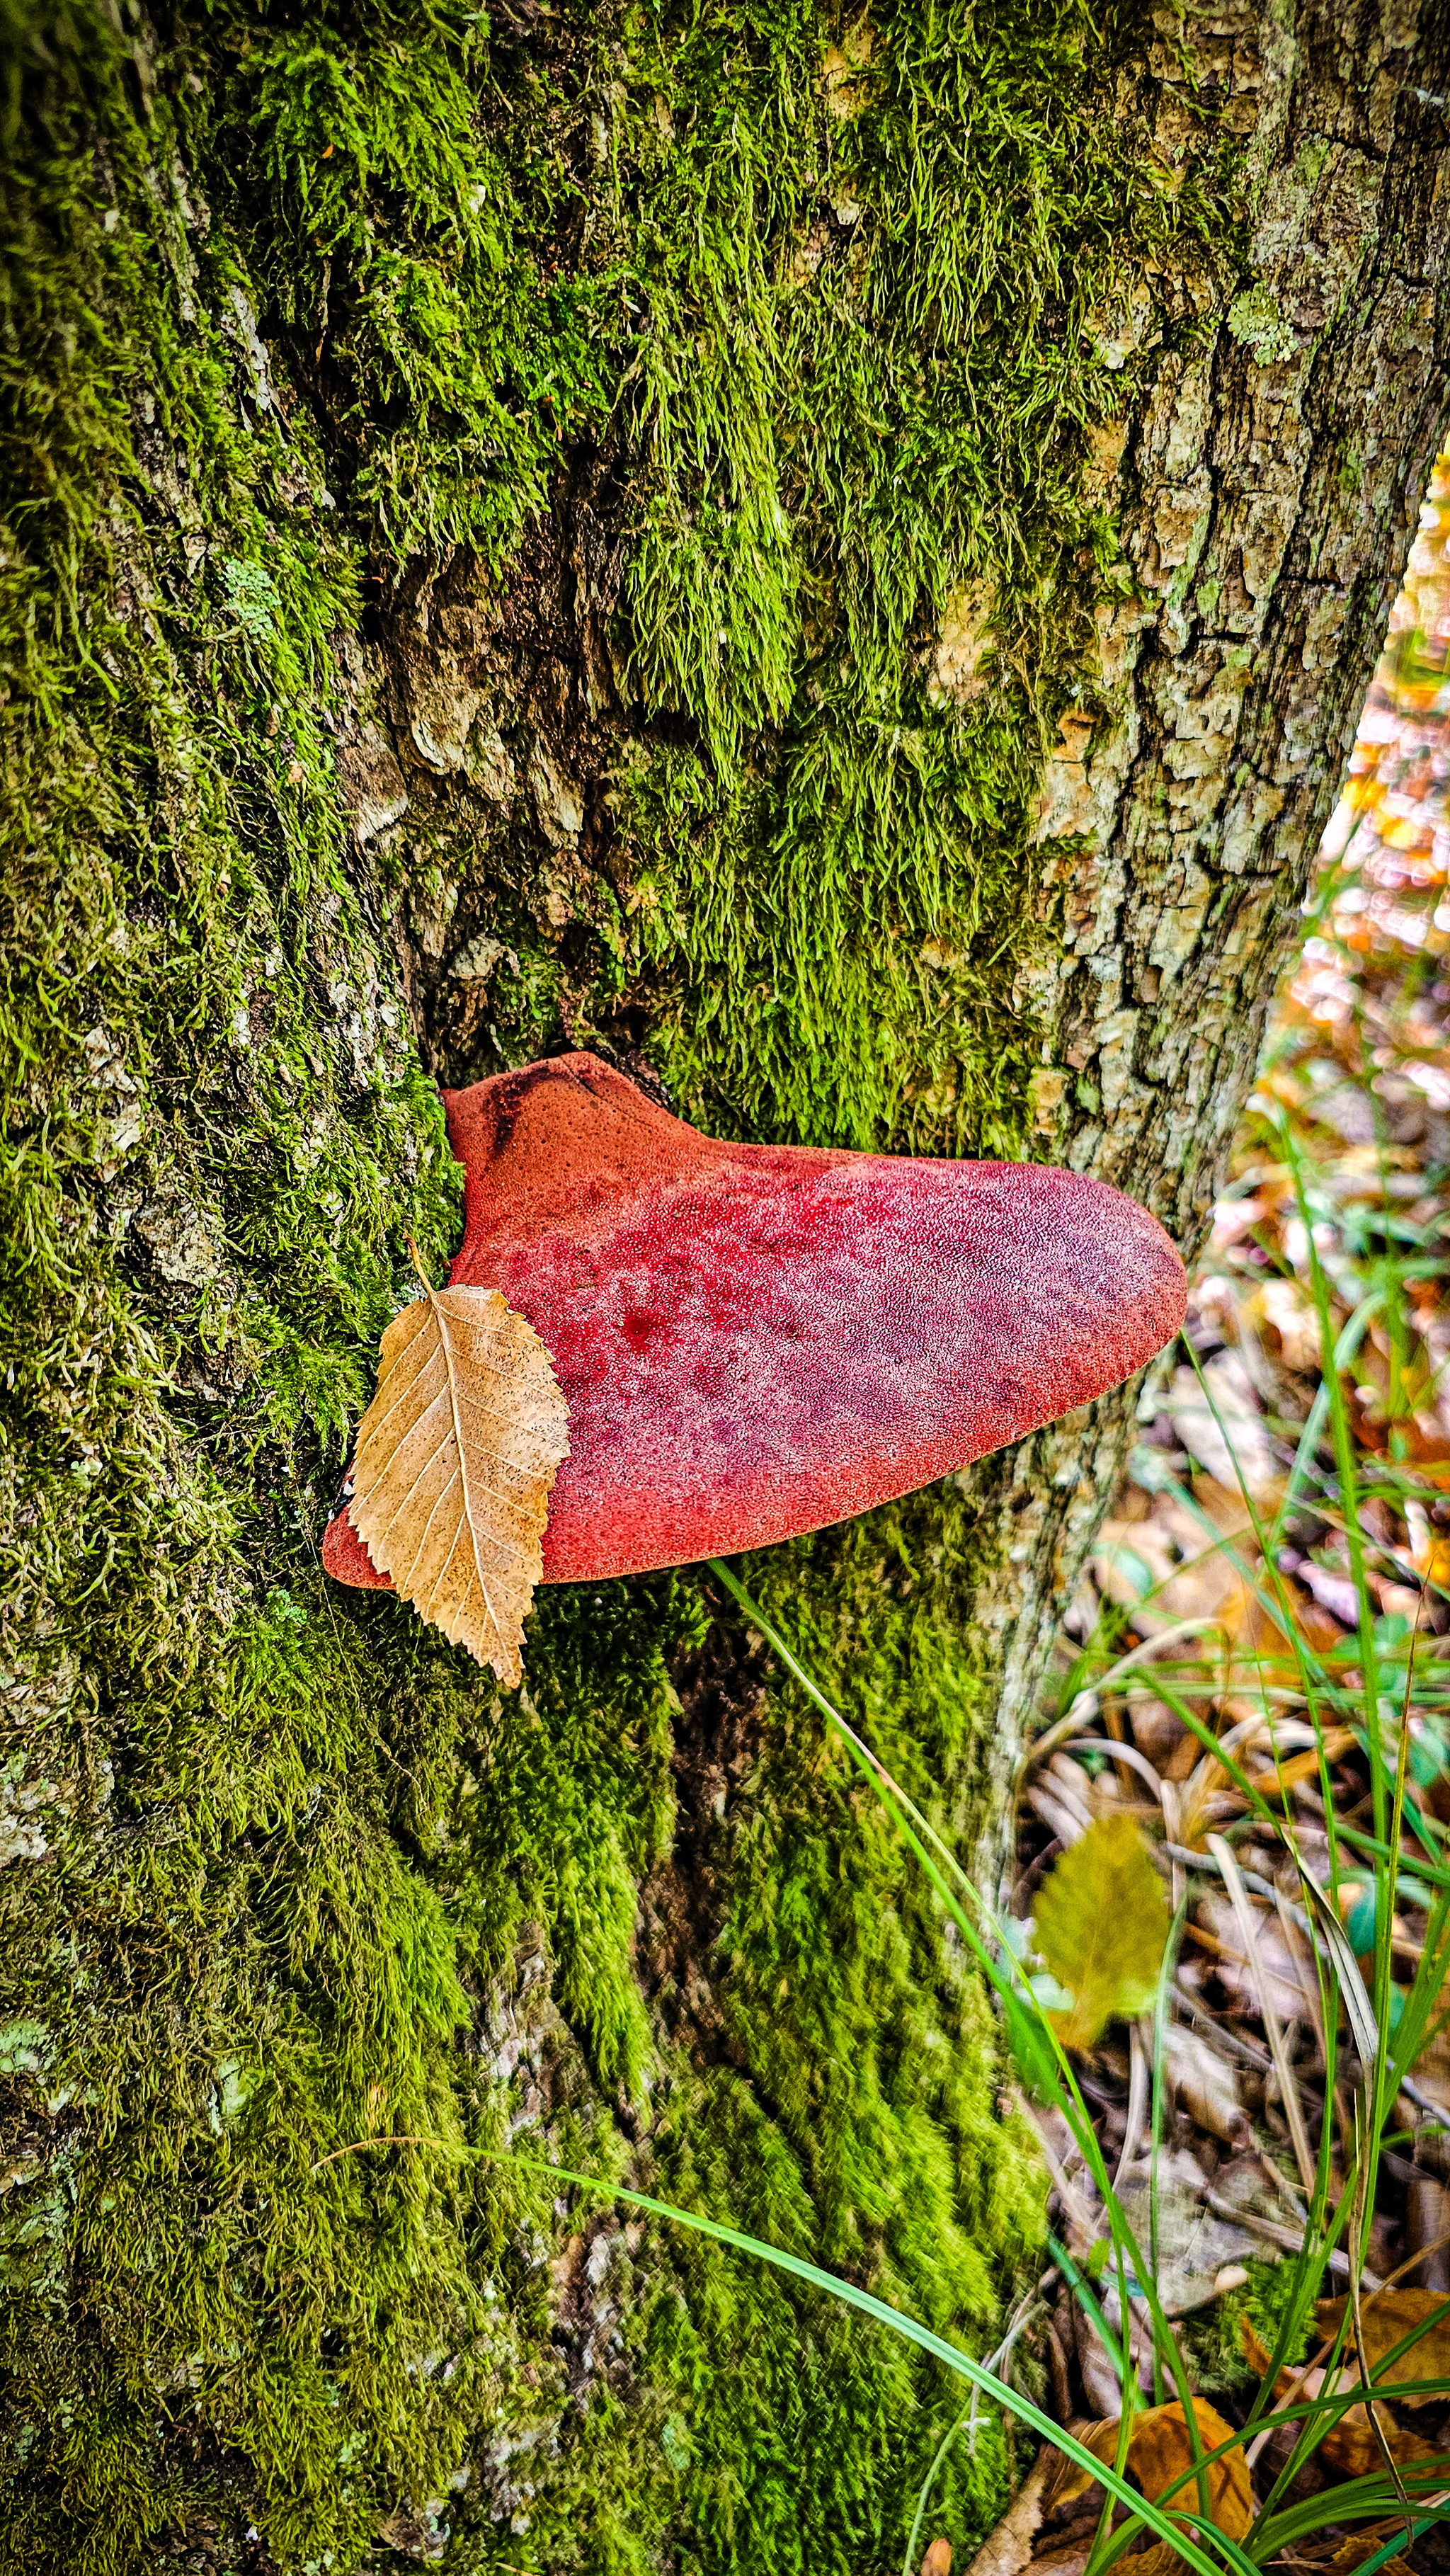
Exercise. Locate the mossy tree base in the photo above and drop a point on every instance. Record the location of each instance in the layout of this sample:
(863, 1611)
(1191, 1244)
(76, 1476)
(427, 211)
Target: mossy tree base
(821, 559)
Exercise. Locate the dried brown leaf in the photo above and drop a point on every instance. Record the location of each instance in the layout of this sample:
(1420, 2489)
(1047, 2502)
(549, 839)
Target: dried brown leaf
(1361, 2544)
(1389, 2315)
(1283, 1971)
(456, 1458)
(1204, 2083)
(1065, 2481)
(1068, 2558)
(1350, 2445)
(1007, 2549)
(1159, 2451)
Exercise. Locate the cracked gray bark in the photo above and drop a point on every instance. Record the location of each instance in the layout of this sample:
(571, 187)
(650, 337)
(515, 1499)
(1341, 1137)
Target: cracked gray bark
(1268, 495)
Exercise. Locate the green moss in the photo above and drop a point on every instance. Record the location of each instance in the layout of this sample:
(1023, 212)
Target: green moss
(866, 389)
(1255, 319)
(1213, 2339)
(397, 237)
(291, 1877)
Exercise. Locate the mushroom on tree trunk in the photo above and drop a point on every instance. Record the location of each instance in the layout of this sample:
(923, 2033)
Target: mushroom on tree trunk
(754, 1340)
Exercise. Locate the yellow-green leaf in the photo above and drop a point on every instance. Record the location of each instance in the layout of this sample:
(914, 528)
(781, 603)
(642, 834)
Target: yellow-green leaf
(1101, 1926)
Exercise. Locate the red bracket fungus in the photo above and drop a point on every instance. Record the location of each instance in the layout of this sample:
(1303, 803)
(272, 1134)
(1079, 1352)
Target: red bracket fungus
(755, 1340)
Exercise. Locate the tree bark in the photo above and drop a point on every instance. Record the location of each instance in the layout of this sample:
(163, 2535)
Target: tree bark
(835, 563)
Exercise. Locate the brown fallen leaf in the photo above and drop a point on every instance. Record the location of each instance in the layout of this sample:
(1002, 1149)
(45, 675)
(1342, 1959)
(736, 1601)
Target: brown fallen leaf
(1159, 2451)
(456, 1457)
(1350, 2445)
(938, 2559)
(1339, 2555)
(1205, 2085)
(1389, 2315)
(1007, 2549)
(1362, 2544)
(1284, 1973)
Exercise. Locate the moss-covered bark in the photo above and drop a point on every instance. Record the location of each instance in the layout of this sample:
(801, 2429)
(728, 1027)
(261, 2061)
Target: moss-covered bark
(720, 534)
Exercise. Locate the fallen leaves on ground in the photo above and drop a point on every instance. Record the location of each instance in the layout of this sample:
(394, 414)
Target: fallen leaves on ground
(456, 1458)
(1283, 1971)
(1365, 2543)
(1007, 2549)
(1051, 2521)
(1195, 2245)
(1351, 2444)
(1160, 2450)
(1204, 2085)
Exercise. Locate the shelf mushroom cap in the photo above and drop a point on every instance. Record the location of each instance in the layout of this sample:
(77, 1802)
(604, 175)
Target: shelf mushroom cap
(755, 1340)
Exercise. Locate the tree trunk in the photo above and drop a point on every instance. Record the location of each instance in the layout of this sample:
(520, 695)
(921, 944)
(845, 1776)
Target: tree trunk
(836, 565)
